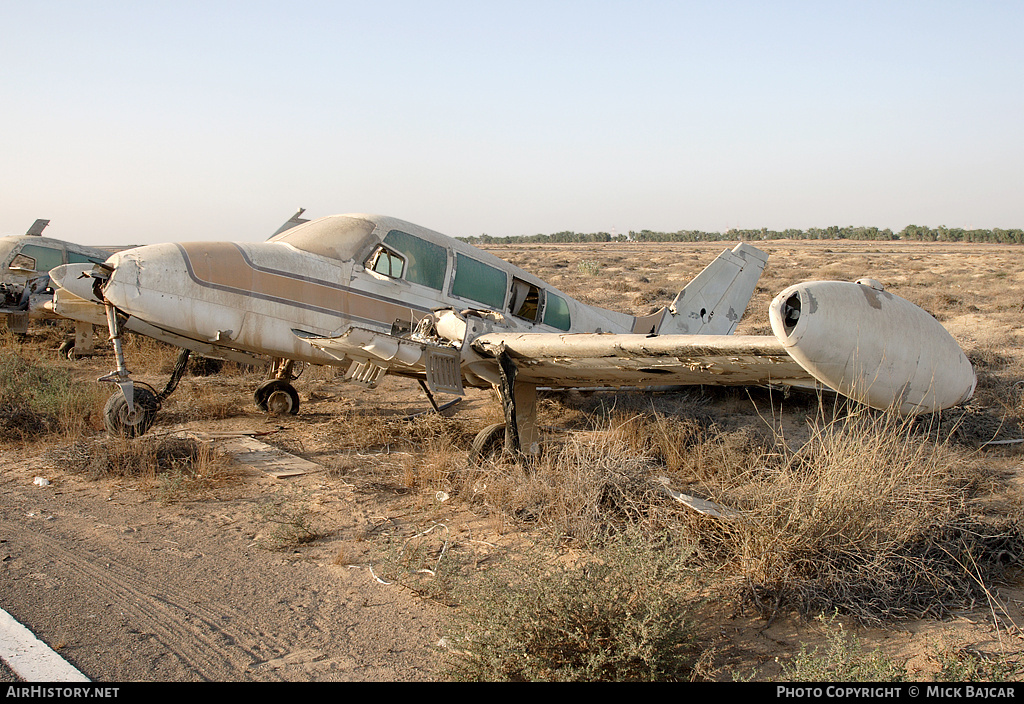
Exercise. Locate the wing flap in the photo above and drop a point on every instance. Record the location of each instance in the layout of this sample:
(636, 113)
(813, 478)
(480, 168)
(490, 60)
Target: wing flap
(595, 359)
(373, 353)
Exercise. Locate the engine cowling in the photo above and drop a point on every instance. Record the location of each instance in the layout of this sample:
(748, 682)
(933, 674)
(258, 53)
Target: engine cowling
(872, 346)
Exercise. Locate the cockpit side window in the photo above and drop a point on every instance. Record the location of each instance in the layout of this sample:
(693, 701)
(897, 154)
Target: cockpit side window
(386, 263)
(525, 300)
(37, 258)
(76, 258)
(426, 262)
(556, 312)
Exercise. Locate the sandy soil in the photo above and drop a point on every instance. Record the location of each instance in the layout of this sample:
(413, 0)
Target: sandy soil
(131, 583)
(129, 587)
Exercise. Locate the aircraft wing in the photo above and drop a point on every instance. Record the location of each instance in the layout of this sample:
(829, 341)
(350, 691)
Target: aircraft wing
(603, 359)
(854, 338)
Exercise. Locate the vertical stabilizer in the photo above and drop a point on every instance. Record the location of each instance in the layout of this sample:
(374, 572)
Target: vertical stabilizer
(714, 302)
(37, 227)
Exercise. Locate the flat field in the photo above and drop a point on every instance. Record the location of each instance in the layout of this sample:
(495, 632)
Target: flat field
(221, 571)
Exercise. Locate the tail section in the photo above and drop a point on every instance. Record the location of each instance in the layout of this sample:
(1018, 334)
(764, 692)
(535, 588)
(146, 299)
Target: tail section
(714, 302)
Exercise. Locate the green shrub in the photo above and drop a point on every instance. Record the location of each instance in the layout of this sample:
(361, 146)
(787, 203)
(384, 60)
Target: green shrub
(841, 660)
(41, 398)
(624, 614)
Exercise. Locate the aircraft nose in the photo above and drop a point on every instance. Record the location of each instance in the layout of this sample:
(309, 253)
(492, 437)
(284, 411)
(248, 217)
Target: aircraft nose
(138, 269)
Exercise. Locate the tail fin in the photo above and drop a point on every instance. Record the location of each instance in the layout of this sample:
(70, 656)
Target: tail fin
(714, 302)
(37, 227)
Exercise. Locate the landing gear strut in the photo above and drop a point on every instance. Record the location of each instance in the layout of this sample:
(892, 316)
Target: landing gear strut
(518, 436)
(131, 411)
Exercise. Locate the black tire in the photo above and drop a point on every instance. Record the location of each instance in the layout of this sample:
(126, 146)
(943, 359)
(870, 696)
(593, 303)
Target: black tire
(67, 348)
(488, 444)
(277, 397)
(120, 422)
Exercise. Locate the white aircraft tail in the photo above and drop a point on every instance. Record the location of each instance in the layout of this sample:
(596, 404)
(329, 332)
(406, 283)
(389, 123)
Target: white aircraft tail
(714, 302)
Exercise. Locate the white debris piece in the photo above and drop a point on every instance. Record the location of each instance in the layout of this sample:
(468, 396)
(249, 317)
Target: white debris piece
(704, 506)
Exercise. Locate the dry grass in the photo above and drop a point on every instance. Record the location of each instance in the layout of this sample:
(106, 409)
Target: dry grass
(174, 468)
(396, 454)
(869, 516)
(866, 517)
(41, 399)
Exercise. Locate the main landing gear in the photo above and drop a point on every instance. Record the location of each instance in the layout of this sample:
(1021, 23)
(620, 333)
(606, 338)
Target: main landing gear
(81, 344)
(518, 436)
(277, 396)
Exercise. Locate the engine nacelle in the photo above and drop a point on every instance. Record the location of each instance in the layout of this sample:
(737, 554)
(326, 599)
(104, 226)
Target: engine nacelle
(872, 346)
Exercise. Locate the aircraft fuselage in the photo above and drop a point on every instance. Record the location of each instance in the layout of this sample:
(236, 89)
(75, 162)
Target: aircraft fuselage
(374, 273)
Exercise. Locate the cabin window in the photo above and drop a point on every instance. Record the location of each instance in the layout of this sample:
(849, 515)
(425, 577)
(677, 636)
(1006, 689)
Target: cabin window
(479, 282)
(37, 258)
(525, 300)
(75, 258)
(556, 312)
(425, 261)
(386, 263)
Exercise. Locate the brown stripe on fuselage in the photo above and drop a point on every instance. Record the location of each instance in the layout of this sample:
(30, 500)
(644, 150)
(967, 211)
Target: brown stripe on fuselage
(222, 265)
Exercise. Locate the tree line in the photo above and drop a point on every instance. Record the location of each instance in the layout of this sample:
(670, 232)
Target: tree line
(918, 233)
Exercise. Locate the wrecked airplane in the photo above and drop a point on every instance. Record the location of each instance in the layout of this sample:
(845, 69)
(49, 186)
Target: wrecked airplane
(26, 291)
(375, 295)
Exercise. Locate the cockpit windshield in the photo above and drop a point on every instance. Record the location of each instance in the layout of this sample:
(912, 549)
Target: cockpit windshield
(336, 237)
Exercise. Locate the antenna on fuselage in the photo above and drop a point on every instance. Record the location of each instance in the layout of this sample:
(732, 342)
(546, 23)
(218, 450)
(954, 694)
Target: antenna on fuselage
(292, 221)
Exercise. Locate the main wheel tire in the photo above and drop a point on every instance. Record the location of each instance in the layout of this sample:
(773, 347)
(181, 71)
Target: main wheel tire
(67, 348)
(120, 421)
(277, 397)
(488, 444)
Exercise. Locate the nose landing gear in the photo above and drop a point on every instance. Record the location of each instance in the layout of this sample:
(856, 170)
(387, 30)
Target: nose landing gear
(131, 422)
(131, 411)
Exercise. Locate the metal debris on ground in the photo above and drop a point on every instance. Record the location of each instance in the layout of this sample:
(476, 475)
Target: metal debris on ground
(708, 508)
(246, 449)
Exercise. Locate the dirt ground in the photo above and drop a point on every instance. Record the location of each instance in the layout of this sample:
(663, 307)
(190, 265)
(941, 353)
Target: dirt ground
(129, 581)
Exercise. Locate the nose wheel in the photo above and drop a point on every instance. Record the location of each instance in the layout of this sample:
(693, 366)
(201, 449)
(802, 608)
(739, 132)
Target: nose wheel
(131, 422)
(277, 397)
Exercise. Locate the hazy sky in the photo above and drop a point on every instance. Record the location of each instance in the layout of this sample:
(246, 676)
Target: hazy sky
(139, 122)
